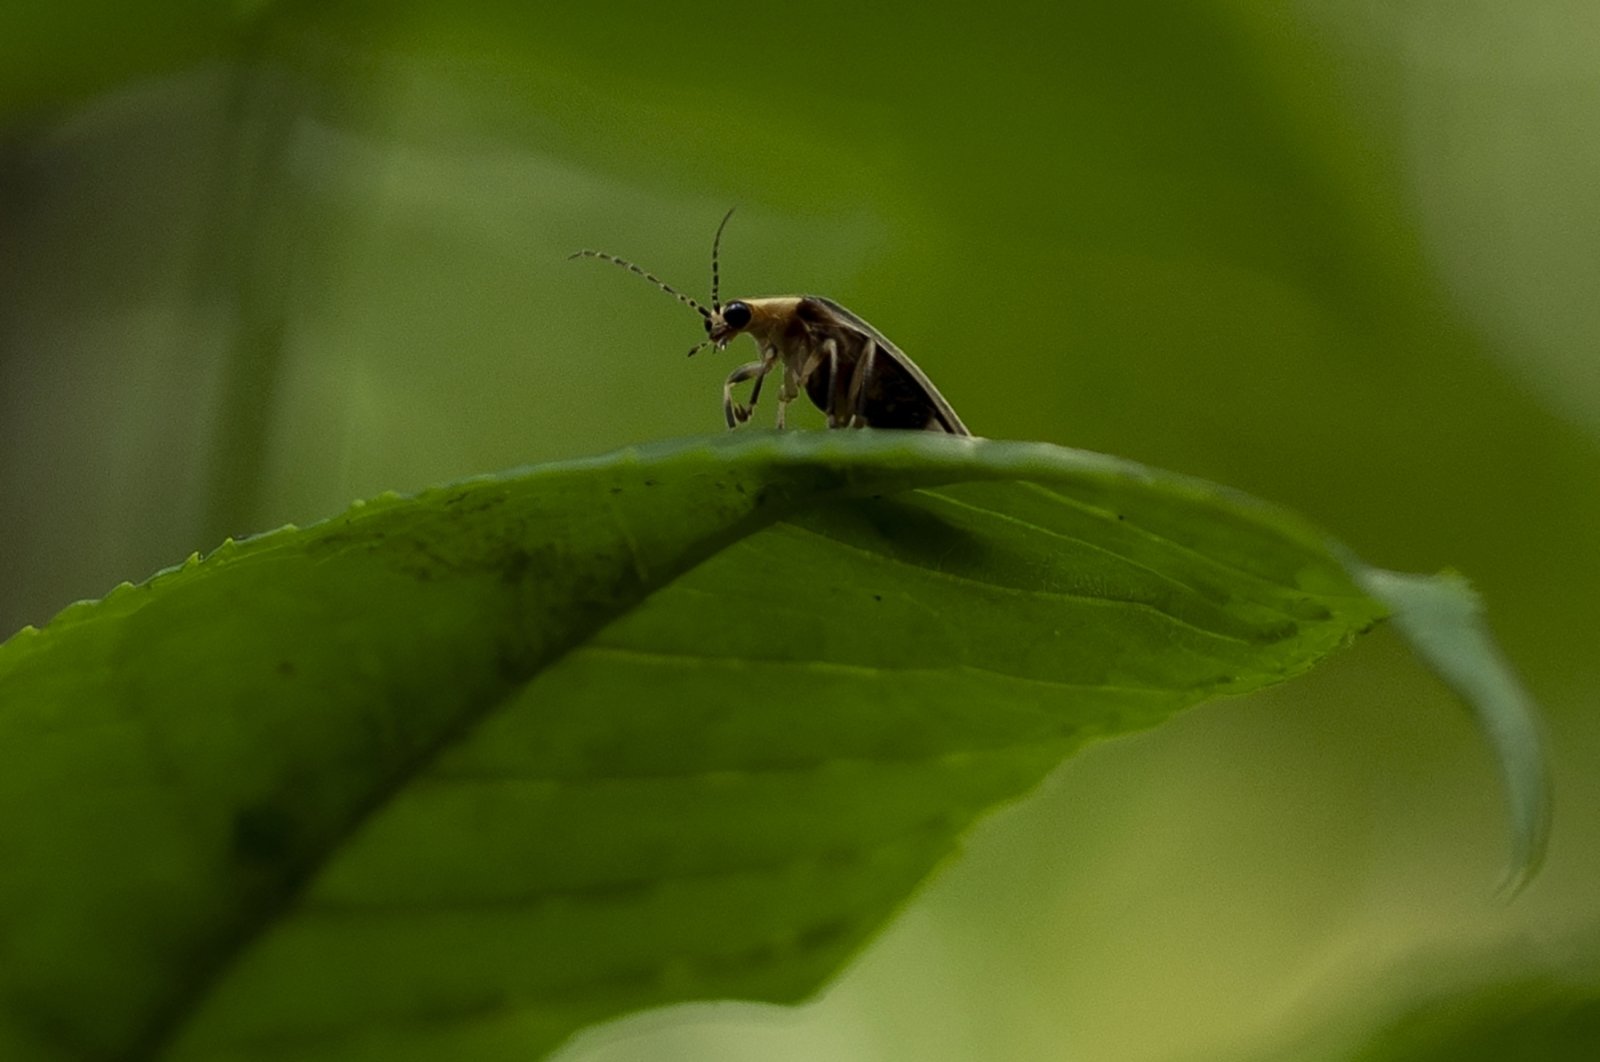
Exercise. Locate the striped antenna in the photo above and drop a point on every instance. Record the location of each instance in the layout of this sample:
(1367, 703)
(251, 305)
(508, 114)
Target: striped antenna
(651, 277)
(716, 245)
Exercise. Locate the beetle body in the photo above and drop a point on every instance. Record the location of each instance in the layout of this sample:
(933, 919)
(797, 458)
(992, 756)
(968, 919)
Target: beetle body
(846, 367)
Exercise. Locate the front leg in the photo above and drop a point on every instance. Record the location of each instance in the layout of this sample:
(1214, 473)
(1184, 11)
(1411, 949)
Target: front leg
(757, 370)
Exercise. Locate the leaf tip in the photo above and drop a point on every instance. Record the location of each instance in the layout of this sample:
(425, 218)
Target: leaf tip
(1441, 616)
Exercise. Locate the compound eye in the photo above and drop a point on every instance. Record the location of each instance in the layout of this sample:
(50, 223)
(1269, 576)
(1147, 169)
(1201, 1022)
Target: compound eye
(737, 314)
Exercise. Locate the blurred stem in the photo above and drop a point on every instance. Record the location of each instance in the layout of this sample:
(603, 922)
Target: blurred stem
(249, 274)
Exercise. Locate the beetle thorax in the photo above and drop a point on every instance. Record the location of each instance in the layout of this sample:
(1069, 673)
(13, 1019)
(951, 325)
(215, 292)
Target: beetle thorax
(772, 320)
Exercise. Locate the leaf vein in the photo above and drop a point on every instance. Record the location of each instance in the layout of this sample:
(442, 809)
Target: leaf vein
(1012, 591)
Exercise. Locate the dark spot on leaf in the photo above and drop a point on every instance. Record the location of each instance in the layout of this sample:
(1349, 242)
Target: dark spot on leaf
(510, 665)
(286, 668)
(616, 490)
(483, 504)
(514, 569)
(1277, 632)
(635, 979)
(839, 858)
(263, 833)
(649, 482)
(827, 934)
(618, 892)
(756, 956)
(877, 597)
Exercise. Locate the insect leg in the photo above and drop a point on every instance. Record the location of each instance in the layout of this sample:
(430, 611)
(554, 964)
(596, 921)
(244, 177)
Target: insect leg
(755, 392)
(835, 385)
(757, 370)
(856, 398)
(826, 351)
(795, 374)
(786, 394)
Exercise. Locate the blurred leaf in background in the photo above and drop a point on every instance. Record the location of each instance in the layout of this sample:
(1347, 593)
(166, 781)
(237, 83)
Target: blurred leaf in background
(258, 259)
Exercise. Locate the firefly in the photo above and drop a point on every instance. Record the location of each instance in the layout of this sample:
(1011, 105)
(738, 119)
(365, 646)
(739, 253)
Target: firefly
(846, 367)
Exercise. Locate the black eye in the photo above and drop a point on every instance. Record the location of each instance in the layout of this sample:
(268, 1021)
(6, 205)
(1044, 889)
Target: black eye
(737, 314)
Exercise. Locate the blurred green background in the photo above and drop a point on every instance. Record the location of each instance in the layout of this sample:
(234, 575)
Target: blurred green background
(259, 259)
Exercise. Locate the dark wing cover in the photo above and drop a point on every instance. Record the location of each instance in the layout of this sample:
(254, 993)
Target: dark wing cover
(898, 395)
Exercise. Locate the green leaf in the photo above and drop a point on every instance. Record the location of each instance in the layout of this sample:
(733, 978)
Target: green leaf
(1459, 1005)
(1532, 1020)
(456, 775)
(1442, 618)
